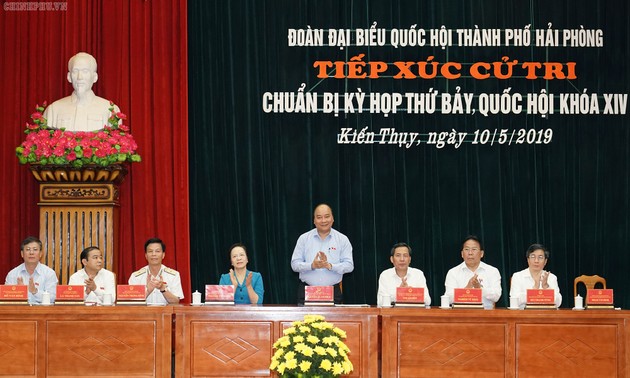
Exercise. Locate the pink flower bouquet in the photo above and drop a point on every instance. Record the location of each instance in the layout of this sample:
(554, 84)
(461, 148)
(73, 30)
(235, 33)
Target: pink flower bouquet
(47, 146)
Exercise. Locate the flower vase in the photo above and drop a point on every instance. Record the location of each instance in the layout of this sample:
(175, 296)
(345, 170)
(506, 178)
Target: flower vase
(114, 173)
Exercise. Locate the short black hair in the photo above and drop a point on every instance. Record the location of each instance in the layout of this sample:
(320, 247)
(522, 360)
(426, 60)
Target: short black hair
(86, 252)
(154, 240)
(399, 245)
(472, 237)
(29, 240)
(535, 247)
(239, 244)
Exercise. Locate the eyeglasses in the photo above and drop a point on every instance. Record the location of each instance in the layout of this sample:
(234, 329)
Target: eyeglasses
(539, 257)
(471, 249)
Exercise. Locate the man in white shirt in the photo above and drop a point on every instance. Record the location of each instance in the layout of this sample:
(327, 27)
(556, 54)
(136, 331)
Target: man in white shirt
(473, 273)
(163, 284)
(534, 276)
(82, 110)
(97, 281)
(401, 275)
(36, 275)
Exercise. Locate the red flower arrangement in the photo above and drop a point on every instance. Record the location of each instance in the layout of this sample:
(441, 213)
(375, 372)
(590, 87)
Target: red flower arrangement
(111, 145)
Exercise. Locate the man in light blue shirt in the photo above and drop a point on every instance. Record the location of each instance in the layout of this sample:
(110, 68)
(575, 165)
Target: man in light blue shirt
(36, 275)
(322, 255)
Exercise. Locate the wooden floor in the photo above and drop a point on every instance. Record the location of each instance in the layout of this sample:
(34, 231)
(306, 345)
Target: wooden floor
(236, 341)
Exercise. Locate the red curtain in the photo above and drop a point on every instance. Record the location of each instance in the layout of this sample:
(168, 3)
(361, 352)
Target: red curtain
(141, 50)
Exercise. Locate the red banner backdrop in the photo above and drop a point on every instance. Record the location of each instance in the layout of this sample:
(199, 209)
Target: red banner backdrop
(140, 47)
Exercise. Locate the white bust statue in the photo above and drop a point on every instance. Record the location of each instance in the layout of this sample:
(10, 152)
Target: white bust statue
(82, 110)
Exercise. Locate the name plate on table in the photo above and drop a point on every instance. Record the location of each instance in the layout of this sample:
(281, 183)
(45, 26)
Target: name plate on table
(131, 294)
(319, 296)
(13, 294)
(219, 295)
(409, 297)
(540, 298)
(69, 294)
(599, 299)
(467, 298)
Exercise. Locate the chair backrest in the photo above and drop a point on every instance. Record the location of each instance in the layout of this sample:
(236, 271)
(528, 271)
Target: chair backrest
(588, 281)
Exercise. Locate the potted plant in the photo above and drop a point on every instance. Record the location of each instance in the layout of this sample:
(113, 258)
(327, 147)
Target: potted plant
(60, 155)
(311, 348)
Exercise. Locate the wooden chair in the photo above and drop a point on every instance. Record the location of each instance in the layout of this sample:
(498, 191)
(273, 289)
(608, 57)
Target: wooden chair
(588, 281)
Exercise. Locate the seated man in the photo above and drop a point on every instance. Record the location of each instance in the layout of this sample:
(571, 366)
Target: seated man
(36, 275)
(473, 273)
(163, 284)
(97, 281)
(82, 110)
(401, 275)
(534, 276)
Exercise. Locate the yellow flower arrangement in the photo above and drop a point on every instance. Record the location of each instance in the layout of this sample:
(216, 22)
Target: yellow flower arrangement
(311, 348)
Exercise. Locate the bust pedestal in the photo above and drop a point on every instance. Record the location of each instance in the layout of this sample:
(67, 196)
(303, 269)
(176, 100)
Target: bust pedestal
(78, 208)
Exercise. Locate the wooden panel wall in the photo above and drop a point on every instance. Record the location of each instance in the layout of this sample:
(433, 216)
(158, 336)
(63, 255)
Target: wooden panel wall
(80, 341)
(236, 341)
(74, 216)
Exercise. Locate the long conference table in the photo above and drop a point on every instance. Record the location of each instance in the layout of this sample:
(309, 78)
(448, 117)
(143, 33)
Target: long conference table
(236, 341)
